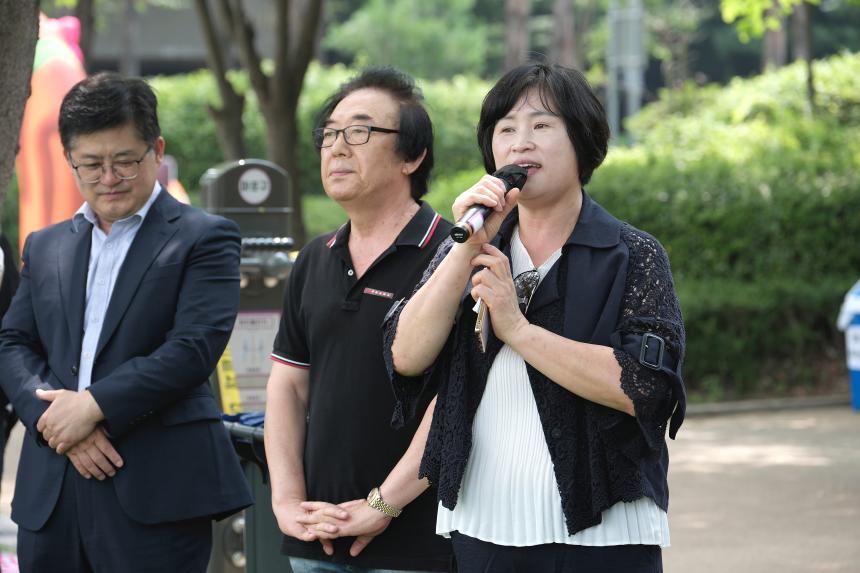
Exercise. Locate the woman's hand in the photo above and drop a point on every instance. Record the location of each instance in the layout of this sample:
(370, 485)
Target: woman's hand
(294, 520)
(355, 519)
(490, 192)
(494, 285)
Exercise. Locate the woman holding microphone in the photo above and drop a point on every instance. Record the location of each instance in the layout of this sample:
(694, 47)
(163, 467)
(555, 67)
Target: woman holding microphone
(547, 443)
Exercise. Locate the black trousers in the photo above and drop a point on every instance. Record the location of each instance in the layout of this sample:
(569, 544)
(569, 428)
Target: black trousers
(88, 532)
(476, 556)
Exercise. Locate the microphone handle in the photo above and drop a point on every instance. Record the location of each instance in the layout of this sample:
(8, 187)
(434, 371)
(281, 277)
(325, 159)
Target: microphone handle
(471, 222)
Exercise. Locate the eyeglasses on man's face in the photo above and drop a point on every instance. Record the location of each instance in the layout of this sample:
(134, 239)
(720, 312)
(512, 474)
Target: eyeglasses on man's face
(352, 134)
(124, 169)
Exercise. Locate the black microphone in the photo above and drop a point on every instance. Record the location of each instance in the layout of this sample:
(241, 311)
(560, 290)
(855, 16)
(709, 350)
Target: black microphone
(473, 219)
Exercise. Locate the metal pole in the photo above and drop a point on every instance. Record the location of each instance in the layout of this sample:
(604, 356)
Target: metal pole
(612, 56)
(634, 57)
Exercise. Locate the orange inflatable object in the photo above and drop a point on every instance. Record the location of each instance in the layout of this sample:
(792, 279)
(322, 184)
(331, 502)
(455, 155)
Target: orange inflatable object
(168, 176)
(46, 184)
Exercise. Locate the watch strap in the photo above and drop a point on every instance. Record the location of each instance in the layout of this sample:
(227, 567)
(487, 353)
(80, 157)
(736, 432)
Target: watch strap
(374, 500)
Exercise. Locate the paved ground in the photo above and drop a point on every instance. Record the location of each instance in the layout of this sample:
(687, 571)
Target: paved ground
(770, 492)
(775, 492)
(7, 527)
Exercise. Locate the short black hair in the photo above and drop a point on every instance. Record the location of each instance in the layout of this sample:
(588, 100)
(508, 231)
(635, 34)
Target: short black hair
(562, 90)
(415, 131)
(105, 101)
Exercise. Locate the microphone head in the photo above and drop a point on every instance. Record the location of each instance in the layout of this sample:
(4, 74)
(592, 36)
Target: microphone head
(513, 175)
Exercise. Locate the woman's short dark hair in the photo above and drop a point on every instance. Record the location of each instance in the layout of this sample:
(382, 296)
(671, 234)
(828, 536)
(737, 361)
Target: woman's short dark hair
(563, 91)
(415, 130)
(105, 101)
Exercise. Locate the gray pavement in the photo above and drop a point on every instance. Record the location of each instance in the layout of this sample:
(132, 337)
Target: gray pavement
(8, 530)
(775, 491)
(768, 492)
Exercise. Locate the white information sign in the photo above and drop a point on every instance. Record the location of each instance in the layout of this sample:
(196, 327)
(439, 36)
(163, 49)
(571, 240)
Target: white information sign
(255, 186)
(852, 346)
(250, 348)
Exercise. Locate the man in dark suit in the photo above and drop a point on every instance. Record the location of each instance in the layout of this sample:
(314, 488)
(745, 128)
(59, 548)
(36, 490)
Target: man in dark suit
(121, 315)
(8, 283)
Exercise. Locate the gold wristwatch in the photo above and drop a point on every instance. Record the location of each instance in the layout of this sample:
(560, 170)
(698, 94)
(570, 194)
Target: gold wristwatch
(374, 500)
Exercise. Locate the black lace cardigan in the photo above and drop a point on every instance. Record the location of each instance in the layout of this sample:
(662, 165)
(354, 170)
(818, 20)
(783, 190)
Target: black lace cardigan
(612, 286)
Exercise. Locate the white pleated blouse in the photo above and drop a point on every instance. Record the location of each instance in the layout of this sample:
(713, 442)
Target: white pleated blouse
(509, 494)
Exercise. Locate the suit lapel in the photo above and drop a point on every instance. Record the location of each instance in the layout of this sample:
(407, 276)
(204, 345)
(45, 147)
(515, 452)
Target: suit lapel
(155, 230)
(73, 267)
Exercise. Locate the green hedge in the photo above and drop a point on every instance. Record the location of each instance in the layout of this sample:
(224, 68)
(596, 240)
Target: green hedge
(757, 202)
(453, 105)
(761, 261)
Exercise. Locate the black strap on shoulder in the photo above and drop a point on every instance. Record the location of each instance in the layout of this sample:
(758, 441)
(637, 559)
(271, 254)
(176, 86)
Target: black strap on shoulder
(653, 353)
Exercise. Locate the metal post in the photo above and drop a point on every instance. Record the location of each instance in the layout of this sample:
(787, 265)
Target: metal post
(633, 63)
(612, 57)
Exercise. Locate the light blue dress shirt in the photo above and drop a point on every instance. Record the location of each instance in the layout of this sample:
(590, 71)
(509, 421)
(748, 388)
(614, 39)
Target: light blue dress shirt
(107, 254)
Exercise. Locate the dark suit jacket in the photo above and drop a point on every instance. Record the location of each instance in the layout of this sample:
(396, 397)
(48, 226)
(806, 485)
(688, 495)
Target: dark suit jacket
(7, 289)
(168, 321)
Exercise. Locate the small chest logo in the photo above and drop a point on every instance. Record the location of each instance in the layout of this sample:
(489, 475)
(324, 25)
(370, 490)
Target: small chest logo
(376, 292)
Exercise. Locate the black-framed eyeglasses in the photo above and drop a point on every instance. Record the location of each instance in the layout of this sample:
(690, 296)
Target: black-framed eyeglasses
(352, 134)
(125, 169)
(526, 283)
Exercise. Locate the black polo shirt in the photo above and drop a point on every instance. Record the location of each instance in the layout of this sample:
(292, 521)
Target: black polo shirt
(331, 325)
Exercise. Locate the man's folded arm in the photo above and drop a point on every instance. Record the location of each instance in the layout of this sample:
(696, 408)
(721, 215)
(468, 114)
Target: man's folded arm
(206, 310)
(22, 358)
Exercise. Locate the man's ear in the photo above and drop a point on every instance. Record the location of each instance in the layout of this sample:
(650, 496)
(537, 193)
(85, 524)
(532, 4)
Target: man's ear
(409, 167)
(158, 149)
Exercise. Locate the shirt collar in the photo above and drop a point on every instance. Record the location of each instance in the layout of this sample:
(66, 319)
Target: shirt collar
(596, 227)
(86, 213)
(418, 232)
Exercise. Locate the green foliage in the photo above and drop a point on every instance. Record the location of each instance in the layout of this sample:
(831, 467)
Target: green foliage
(757, 204)
(190, 134)
(321, 215)
(185, 123)
(756, 201)
(9, 216)
(753, 17)
(445, 190)
(50, 6)
(454, 106)
(430, 39)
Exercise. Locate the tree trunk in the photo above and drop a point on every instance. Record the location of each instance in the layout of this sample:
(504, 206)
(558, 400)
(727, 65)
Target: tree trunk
(319, 53)
(517, 14)
(300, 19)
(229, 128)
(85, 13)
(19, 30)
(801, 33)
(583, 24)
(281, 139)
(129, 63)
(801, 41)
(775, 42)
(564, 34)
(676, 67)
(228, 117)
(296, 24)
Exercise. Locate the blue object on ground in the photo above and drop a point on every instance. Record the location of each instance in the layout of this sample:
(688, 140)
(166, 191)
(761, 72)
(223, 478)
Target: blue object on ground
(254, 419)
(849, 321)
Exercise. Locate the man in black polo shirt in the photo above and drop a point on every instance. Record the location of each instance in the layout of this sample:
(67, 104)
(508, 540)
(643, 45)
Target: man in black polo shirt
(329, 403)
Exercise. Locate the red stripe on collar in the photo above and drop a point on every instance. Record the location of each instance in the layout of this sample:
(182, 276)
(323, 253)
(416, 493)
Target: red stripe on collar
(429, 234)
